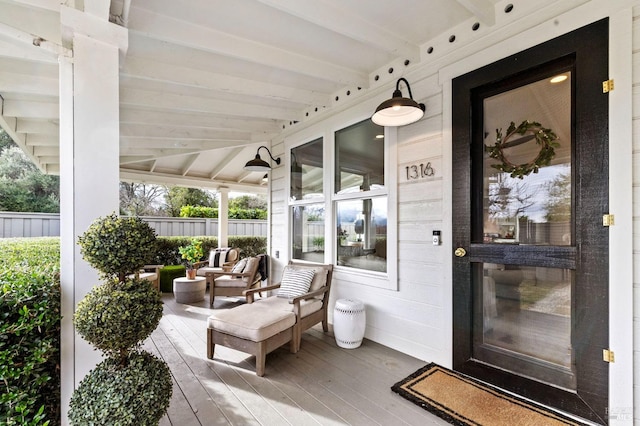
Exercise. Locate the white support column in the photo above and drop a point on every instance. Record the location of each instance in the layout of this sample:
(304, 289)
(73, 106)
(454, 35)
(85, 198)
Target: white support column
(223, 217)
(89, 176)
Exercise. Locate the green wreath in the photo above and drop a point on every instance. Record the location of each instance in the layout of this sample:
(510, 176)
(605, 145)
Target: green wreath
(544, 137)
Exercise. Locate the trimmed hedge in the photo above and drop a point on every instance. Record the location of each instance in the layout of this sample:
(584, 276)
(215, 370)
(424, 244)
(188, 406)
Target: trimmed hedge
(167, 274)
(167, 247)
(30, 331)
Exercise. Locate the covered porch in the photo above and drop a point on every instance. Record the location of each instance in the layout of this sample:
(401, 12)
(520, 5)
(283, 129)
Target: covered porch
(322, 384)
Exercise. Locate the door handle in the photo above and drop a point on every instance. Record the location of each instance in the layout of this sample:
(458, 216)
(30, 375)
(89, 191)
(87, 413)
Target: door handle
(460, 252)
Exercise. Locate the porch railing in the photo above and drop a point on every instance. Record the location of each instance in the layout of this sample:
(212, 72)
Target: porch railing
(19, 225)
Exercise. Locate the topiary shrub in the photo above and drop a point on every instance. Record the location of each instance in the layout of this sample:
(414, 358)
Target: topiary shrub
(130, 387)
(107, 391)
(132, 307)
(117, 246)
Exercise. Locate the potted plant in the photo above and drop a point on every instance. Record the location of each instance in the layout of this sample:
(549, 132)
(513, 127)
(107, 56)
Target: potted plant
(191, 254)
(130, 386)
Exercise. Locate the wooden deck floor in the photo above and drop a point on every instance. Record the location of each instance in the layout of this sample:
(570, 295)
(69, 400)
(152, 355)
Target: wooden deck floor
(320, 385)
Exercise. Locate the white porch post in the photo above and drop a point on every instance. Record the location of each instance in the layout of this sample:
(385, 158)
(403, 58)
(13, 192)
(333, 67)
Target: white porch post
(89, 168)
(223, 217)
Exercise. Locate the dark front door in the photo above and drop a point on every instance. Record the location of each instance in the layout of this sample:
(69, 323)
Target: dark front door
(530, 189)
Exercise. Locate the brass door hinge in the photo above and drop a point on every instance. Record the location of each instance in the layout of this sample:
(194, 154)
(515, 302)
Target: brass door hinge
(608, 220)
(608, 356)
(607, 86)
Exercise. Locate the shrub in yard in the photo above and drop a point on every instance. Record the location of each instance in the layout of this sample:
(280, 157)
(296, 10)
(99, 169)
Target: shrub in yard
(130, 387)
(168, 248)
(29, 331)
(249, 246)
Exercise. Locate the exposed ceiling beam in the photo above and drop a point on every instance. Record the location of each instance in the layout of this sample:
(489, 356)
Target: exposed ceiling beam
(22, 83)
(9, 126)
(28, 125)
(33, 42)
(190, 161)
(31, 109)
(196, 182)
(137, 68)
(37, 139)
(225, 162)
(50, 5)
(169, 144)
(484, 10)
(193, 120)
(181, 33)
(166, 131)
(168, 101)
(340, 21)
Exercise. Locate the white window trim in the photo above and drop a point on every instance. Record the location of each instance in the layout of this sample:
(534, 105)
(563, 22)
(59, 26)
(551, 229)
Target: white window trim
(382, 280)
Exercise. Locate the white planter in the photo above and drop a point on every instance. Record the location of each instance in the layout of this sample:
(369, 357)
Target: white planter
(349, 323)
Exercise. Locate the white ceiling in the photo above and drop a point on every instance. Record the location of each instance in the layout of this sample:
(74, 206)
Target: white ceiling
(204, 83)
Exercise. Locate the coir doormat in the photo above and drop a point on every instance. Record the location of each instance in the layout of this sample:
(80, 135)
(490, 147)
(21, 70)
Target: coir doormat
(463, 401)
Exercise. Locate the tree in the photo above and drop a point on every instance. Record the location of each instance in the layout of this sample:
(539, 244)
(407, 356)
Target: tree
(558, 203)
(140, 199)
(177, 196)
(24, 188)
(248, 202)
(5, 141)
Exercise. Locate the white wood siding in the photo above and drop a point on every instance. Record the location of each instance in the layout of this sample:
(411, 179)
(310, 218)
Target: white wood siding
(417, 318)
(636, 210)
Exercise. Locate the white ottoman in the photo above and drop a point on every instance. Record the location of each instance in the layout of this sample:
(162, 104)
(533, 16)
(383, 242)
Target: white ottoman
(349, 322)
(189, 291)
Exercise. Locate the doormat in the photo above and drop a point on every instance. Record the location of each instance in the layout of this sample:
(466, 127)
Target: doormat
(463, 401)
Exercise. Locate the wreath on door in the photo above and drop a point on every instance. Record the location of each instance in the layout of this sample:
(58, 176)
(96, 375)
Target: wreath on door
(544, 137)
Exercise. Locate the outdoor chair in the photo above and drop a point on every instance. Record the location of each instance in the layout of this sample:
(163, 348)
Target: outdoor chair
(243, 276)
(149, 273)
(263, 325)
(220, 260)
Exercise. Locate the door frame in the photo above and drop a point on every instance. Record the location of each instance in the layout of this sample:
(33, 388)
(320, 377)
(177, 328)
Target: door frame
(586, 403)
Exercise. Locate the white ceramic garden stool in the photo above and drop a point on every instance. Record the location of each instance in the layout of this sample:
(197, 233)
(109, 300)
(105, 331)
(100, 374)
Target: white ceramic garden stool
(186, 290)
(349, 322)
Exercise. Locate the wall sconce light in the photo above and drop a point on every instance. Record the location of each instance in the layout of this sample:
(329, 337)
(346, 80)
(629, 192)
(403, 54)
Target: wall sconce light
(258, 164)
(398, 111)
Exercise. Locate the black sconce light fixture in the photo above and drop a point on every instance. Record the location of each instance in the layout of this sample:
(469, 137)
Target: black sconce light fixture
(258, 164)
(398, 111)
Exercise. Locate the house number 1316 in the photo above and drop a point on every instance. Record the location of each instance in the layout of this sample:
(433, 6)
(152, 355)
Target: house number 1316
(421, 171)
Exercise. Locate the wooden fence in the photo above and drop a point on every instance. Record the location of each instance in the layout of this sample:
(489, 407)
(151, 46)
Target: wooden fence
(19, 225)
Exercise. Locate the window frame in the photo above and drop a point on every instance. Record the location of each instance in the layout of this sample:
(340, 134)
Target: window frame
(383, 280)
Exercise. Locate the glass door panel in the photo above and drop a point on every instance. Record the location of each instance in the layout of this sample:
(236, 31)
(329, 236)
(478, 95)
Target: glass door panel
(524, 308)
(525, 199)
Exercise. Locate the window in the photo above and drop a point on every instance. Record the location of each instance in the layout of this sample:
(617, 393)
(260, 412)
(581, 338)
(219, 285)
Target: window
(306, 201)
(362, 233)
(306, 171)
(308, 232)
(360, 197)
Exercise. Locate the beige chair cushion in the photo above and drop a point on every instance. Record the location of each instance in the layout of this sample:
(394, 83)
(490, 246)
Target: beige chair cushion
(252, 265)
(149, 276)
(306, 306)
(319, 278)
(203, 271)
(229, 281)
(251, 322)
